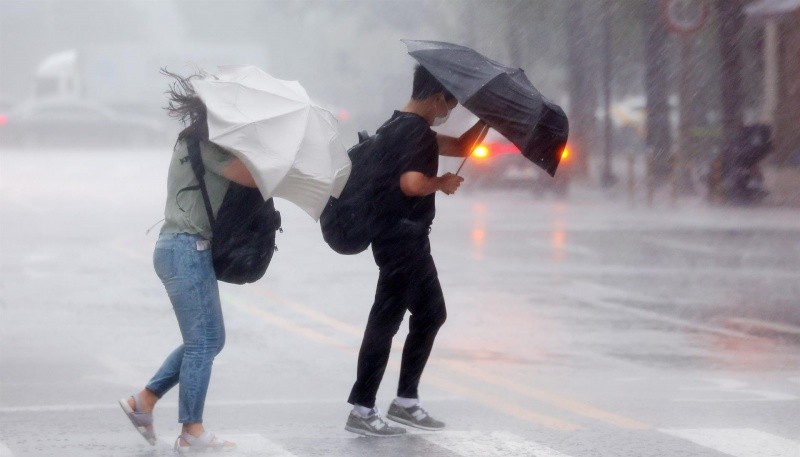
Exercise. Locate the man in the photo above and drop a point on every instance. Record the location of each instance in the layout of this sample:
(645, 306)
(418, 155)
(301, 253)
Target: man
(408, 279)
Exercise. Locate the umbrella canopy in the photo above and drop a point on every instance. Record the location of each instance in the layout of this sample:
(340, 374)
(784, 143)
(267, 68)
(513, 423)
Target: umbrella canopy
(500, 96)
(289, 144)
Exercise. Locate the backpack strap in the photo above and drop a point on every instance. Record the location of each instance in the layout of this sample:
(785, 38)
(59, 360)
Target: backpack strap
(199, 171)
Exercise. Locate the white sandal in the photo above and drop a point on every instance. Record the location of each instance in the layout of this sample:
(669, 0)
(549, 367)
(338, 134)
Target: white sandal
(142, 421)
(205, 442)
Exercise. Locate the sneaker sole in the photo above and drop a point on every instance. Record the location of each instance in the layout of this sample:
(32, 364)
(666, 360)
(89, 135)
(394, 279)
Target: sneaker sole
(360, 431)
(412, 424)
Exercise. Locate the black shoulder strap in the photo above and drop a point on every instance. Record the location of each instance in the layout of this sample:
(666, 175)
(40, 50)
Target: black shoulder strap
(199, 171)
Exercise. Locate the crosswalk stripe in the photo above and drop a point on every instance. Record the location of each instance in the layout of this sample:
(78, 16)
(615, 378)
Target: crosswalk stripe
(247, 443)
(494, 444)
(5, 451)
(256, 444)
(739, 442)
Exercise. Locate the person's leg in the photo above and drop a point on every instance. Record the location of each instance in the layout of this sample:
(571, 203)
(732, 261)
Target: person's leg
(384, 321)
(166, 267)
(195, 376)
(140, 406)
(199, 312)
(189, 278)
(165, 263)
(167, 375)
(165, 379)
(428, 314)
(194, 293)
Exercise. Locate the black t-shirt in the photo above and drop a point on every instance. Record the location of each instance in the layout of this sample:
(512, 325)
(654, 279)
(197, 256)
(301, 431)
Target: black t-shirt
(407, 144)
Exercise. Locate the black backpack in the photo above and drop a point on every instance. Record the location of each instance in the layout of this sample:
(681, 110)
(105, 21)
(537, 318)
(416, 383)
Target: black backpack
(347, 221)
(244, 229)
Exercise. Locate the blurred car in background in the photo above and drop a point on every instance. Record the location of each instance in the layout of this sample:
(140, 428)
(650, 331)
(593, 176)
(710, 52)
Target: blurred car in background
(497, 163)
(68, 121)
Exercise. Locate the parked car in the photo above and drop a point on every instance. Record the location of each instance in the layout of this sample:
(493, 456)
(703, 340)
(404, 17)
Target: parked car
(76, 122)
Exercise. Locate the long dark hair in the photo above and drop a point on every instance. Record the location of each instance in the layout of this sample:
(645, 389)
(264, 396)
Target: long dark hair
(185, 105)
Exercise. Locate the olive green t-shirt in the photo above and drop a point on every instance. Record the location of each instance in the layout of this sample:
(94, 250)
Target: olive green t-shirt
(185, 211)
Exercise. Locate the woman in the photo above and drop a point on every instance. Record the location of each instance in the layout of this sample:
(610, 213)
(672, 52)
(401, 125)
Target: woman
(182, 261)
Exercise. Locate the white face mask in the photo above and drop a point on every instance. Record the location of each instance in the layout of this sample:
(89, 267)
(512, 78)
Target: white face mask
(439, 120)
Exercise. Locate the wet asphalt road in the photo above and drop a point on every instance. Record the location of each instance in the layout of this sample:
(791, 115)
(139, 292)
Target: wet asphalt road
(579, 328)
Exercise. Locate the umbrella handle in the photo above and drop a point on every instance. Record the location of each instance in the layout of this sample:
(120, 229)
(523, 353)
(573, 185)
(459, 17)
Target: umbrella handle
(480, 136)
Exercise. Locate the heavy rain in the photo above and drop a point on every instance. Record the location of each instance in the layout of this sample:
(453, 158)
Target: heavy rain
(642, 301)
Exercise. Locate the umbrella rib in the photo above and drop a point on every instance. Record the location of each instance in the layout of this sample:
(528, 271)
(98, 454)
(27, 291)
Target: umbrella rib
(271, 93)
(239, 127)
(486, 83)
(288, 142)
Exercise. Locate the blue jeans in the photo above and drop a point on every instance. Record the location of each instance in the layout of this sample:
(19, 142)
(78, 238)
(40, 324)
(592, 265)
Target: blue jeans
(188, 275)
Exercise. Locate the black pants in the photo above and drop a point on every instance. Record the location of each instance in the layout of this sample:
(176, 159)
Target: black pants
(407, 281)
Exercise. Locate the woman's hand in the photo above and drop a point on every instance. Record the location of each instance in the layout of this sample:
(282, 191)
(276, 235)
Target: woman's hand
(237, 172)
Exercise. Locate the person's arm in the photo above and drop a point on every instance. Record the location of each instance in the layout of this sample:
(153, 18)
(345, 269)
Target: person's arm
(237, 172)
(223, 163)
(416, 184)
(460, 147)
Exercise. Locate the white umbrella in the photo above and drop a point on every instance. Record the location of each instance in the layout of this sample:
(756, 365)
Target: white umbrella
(289, 144)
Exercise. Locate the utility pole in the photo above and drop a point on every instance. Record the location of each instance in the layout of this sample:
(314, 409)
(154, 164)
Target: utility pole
(582, 90)
(656, 88)
(607, 178)
(684, 18)
(730, 15)
(681, 178)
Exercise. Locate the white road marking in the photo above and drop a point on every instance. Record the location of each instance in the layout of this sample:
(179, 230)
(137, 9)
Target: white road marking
(740, 442)
(757, 323)
(683, 245)
(5, 451)
(166, 443)
(112, 405)
(669, 319)
(603, 291)
(576, 292)
(494, 444)
(546, 245)
(257, 444)
(545, 269)
(21, 201)
(115, 406)
(739, 388)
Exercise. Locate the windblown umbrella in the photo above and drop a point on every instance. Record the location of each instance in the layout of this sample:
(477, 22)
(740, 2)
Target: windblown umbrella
(499, 95)
(289, 144)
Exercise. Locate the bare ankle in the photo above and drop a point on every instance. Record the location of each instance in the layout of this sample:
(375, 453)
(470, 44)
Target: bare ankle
(194, 429)
(149, 399)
